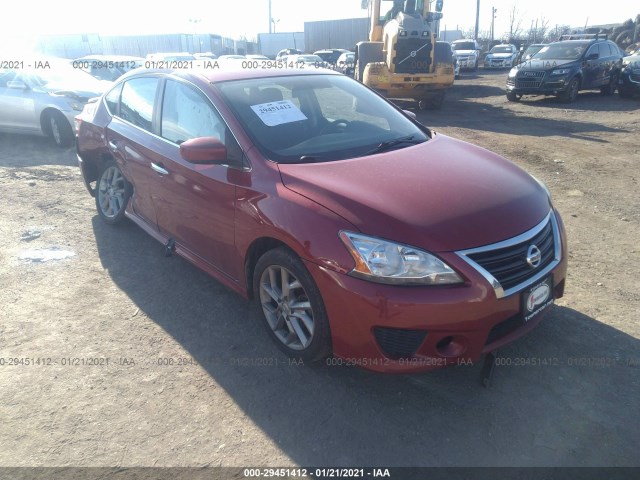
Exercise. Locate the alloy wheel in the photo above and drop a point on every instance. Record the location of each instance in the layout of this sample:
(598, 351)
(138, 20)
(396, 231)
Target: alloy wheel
(111, 192)
(286, 307)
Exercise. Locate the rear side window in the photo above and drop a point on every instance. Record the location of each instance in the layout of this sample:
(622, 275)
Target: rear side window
(112, 99)
(186, 115)
(604, 50)
(136, 101)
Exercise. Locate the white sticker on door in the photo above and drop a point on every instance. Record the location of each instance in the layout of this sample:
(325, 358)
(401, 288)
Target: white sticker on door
(278, 113)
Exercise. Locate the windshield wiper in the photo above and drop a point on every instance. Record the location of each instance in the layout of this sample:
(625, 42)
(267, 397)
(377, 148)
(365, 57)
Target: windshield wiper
(392, 143)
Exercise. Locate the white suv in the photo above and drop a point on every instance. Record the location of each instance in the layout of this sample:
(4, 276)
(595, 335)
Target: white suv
(467, 53)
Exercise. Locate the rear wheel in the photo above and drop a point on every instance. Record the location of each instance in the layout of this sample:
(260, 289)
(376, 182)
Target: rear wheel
(59, 129)
(291, 306)
(572, 91)
(611, 87)
(625, 93)
(112, 193)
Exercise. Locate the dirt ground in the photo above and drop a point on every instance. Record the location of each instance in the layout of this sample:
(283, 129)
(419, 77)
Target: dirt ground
(182, 388)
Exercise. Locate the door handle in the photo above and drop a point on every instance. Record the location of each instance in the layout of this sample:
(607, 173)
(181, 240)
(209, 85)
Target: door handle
(159, 169)
(113, 146)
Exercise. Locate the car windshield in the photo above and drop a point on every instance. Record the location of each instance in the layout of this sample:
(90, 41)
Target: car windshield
(500, 50)
(561, 51)
(532, 50)
(316, 118)
(464, 46)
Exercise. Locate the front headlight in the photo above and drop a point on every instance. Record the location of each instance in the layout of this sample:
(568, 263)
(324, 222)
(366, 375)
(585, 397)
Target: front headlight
(383, 261)
(513, 72)
(560, 71)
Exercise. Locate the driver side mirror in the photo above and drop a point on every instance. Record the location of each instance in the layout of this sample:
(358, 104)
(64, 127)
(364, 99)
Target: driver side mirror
(410, 114)
(204, 151)
(17, 84)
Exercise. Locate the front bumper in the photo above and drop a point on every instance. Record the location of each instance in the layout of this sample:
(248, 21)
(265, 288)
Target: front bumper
(498, 63)
(442, 326)
(542, 86)
(467, 62)
(630, 80)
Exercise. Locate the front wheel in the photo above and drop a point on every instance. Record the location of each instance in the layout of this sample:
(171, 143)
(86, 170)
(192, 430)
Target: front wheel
(59, 129)
(572, 91)
(291, 306)
(513, 97)
(112, 193)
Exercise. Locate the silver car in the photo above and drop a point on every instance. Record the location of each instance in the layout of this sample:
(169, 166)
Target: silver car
(45, 100)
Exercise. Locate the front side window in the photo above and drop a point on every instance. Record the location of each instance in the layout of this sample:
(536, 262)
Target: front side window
(137, 99)
(186, 114)
(304, 118)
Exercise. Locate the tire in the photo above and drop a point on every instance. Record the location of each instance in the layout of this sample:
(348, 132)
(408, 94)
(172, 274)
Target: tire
(432, 103)
(301, 332)
(113, 192)
(59, 130)
(368, 52)
(625, 93)
(572, 91)
(611, 87)
(513, 97)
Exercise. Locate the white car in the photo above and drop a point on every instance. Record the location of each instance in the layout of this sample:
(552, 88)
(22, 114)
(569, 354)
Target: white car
(467, 53)
(501, 56)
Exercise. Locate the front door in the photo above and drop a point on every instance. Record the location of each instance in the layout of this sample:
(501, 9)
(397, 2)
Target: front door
(196, 204)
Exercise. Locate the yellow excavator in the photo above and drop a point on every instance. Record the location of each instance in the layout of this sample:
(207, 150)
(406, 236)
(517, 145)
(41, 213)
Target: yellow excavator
(403, 59)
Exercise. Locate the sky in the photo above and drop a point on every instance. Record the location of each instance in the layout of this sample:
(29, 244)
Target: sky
(250, 17)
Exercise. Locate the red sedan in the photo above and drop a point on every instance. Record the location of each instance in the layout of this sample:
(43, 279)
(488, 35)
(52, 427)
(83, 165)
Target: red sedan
(359, 232)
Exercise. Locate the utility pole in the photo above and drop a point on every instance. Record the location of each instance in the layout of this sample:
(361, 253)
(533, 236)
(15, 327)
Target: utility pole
(477, 19)
(270, 16)
(493, 17)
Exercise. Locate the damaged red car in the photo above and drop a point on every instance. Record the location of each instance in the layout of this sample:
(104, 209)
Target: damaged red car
(361, 235)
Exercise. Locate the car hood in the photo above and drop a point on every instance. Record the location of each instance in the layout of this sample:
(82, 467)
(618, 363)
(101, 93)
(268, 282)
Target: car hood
(533, 64)
(499, 55)
(441, 195)
(79, 91)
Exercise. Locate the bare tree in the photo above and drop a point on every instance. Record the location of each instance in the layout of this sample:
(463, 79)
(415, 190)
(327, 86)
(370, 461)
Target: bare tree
(515, 23)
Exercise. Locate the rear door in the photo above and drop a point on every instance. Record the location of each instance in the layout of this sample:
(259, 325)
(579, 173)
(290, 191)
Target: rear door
(130, 139)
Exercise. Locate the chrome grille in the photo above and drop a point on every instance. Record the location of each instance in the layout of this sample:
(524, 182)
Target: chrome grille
(528, 83)
(504, 264)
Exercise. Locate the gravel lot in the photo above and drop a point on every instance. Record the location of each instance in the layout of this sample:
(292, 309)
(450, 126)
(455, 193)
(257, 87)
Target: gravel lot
(193, 380)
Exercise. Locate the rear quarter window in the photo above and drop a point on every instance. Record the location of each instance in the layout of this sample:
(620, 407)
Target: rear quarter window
(112, 99)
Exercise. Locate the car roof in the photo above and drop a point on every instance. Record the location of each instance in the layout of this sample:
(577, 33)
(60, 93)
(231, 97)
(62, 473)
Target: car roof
(232, 72)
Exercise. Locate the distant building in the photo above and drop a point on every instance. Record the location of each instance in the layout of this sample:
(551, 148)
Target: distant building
(74, 46)
(344, 33)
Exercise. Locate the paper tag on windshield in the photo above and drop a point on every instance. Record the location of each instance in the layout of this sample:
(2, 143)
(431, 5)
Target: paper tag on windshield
(278, 113)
